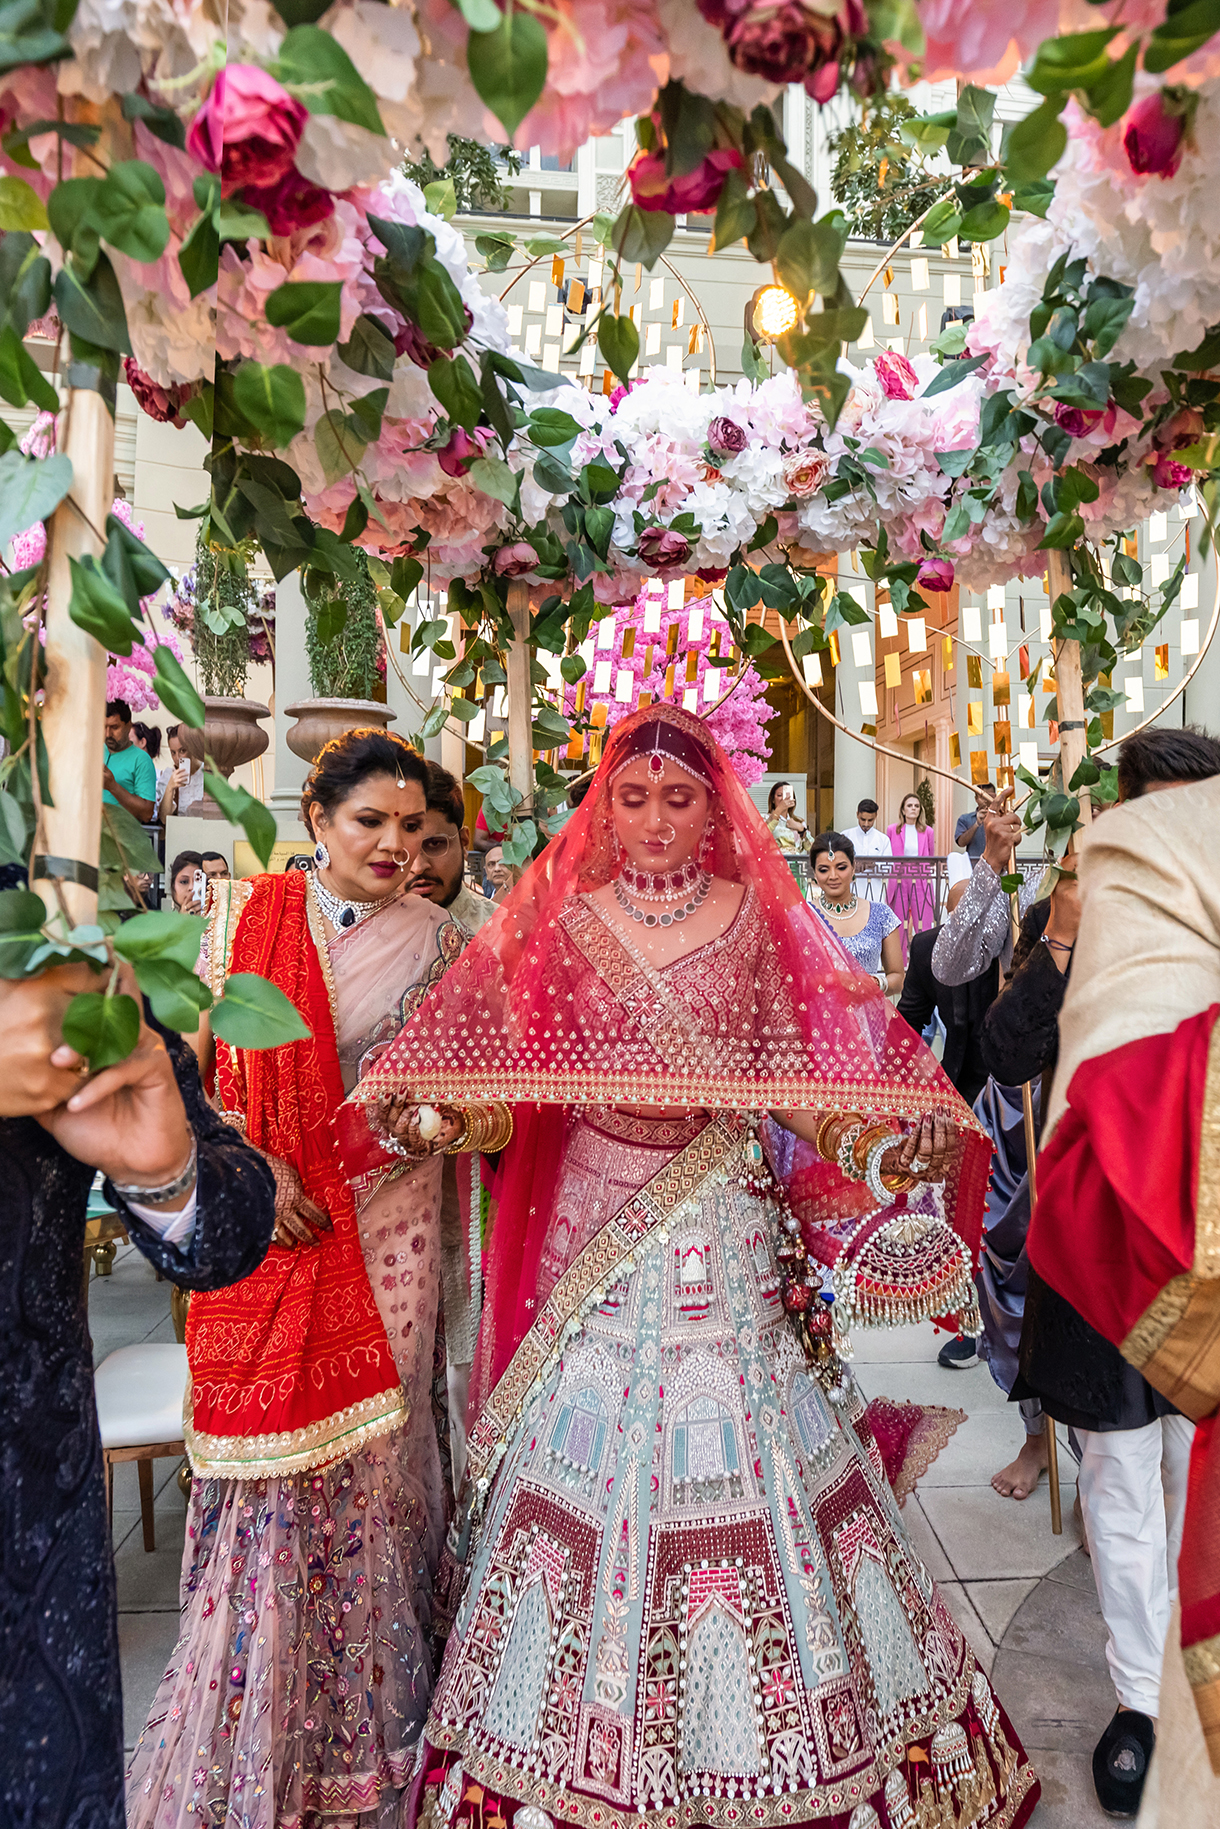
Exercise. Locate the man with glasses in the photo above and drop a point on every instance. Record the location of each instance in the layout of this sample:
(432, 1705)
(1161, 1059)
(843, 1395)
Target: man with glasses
(440, 865)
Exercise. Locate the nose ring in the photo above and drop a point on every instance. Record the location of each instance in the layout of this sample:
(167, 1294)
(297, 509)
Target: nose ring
(667, 834)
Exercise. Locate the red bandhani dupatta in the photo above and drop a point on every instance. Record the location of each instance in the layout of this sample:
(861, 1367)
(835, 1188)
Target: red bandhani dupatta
(290, 1368)
(1127, 1228)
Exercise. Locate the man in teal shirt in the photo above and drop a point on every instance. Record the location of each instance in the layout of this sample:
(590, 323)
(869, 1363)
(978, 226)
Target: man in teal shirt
(130, 777)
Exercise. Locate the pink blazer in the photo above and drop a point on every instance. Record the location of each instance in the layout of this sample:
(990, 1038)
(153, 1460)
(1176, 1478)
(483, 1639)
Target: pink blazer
(927, 841)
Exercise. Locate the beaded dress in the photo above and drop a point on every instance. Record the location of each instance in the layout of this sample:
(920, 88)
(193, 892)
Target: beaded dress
(689, 1596)
(865, 946)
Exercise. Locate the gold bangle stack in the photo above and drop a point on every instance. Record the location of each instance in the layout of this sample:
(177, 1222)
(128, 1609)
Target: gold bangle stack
(830, 1133)
(487, 1128)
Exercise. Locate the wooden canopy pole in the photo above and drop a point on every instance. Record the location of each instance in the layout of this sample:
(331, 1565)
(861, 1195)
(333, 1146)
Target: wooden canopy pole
(520, 692)
(74, 706)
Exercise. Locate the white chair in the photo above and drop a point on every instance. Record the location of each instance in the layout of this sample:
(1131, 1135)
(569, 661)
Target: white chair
(140, 1392)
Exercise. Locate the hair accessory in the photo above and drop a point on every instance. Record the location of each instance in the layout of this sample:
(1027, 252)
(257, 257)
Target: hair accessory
(321, 856)
(658, 756)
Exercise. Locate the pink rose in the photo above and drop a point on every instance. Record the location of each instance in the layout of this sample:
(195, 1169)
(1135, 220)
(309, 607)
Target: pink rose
(514, 561)
(777, 43)
(462, 450)
(248, 129)
(661, 546)
(896, 375)
(1167, 474)
(726, 437)
(1153, 136)
(680, 195)
(294, 203)
(935, 575)
(805, 472)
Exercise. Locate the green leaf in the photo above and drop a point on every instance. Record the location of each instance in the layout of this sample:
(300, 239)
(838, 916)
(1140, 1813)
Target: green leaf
(307, 309)
(1104, 321)
(130, 211)
(453, 382)
(316, 68)
(1062, 530)
(480, 15)
(497, 250)
(619, 342)
(21, 917)
(28, 34)
(985, 221)
(369, 350)
(1087, 774)
(464, 710)
(735, 212)
(642, 235)
(273, 399)
(199, 255)
(975, 111)
(951, 374)
(20, 206)
(340, 448)
(176, 993)
(242, 809)
(494, 477)
(941, 223)
(160, 935)
(441, 198)
(98, 608)
(31, 488)
(1109, 95)
(133, 569)
(807, 259)
(753, 365)
(93, 311)
(21, 379)
(175, 690)
(508, 67)
(1071, 62)
(1186, 29)
(14, 830)
(1032, 146)
(162, 122)
(253, 1013)
(104, 1029)
(550, 425)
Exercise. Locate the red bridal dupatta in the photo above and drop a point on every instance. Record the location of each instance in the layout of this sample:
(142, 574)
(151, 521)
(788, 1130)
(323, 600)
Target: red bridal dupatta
(1127, 1220)
(550, 1007)
(290, 1368)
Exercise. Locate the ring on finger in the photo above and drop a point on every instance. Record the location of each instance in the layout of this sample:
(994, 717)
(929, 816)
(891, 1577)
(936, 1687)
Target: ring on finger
(917, 1165)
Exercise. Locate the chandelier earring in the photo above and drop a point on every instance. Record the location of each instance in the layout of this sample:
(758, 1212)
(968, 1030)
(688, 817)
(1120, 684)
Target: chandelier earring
(707, 840)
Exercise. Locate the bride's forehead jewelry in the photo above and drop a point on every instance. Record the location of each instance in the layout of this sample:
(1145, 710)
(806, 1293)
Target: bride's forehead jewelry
(657, 757)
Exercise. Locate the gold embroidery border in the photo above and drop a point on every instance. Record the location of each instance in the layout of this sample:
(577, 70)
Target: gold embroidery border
(1165, 1312)
(611, 1248)
(1207, 1196)
(256, 1457)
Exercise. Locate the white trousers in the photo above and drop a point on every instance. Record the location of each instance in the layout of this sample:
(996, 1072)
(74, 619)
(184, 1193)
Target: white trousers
(1132, 1486)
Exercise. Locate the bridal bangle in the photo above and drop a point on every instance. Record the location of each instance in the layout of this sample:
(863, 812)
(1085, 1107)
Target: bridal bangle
(856, 1146)
(487, 1128)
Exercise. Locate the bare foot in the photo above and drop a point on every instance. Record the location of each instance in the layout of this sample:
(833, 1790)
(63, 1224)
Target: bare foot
(1018, 1479)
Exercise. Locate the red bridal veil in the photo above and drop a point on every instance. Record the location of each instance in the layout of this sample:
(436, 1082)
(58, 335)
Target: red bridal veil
(528, 1015)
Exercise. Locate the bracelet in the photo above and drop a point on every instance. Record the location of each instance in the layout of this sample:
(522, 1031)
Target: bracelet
(1060, 946)
(168, 1190)
(872, 1171)
(846, 1160)
(874, 1133)
(487, 1129)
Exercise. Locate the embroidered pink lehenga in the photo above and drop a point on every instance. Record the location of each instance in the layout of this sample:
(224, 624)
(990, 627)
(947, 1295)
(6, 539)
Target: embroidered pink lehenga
(689, 1596)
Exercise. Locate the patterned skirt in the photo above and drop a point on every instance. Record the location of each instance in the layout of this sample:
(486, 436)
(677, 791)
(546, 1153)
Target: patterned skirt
(692, 1599)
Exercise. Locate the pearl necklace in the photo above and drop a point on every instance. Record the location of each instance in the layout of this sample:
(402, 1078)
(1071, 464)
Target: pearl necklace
(650, 918)
(845, 910)
(340, 911)
(661, 886)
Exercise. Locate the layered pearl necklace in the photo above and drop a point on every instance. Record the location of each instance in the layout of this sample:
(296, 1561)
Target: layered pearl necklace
(649, 917)
(340, 911)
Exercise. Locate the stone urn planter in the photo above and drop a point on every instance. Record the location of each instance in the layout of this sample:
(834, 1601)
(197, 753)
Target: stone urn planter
(230, 736)
(318, 720)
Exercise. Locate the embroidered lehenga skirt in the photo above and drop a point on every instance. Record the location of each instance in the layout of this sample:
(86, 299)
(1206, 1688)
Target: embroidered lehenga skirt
(691, 1598)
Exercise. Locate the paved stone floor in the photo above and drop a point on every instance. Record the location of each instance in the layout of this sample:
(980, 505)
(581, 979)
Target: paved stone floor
(1024, 1598)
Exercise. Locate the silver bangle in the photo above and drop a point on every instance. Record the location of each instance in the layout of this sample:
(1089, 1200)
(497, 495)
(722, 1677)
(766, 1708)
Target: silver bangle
(872, 1172)
(168, 1190)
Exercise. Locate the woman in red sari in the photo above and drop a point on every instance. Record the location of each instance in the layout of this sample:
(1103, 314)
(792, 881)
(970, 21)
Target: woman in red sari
(302, 1674)
(689, 1593)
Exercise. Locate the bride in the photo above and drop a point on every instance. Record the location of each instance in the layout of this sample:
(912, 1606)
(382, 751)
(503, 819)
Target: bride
(688, 1593)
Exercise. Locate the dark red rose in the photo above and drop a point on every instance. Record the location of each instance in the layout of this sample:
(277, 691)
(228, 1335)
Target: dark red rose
(248, 129)
(294, 203)
(661, 546)
(692, 191)
(726, 437)
(163, 404)
(777, 43)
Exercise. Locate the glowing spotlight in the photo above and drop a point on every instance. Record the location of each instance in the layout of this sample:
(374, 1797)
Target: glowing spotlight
(775, 312)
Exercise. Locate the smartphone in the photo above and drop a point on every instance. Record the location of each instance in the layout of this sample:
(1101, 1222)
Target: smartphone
(199, 890)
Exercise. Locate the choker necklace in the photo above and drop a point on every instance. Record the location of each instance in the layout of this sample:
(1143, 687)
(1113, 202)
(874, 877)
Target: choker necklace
(650, 917)
(840, 908)
(661, 886)
(340, 911)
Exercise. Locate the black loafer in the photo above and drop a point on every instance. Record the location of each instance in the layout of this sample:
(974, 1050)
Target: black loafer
(1120, 1762)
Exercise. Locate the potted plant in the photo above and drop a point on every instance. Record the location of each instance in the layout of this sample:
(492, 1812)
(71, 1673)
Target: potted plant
(230, 623)
(346, 661)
